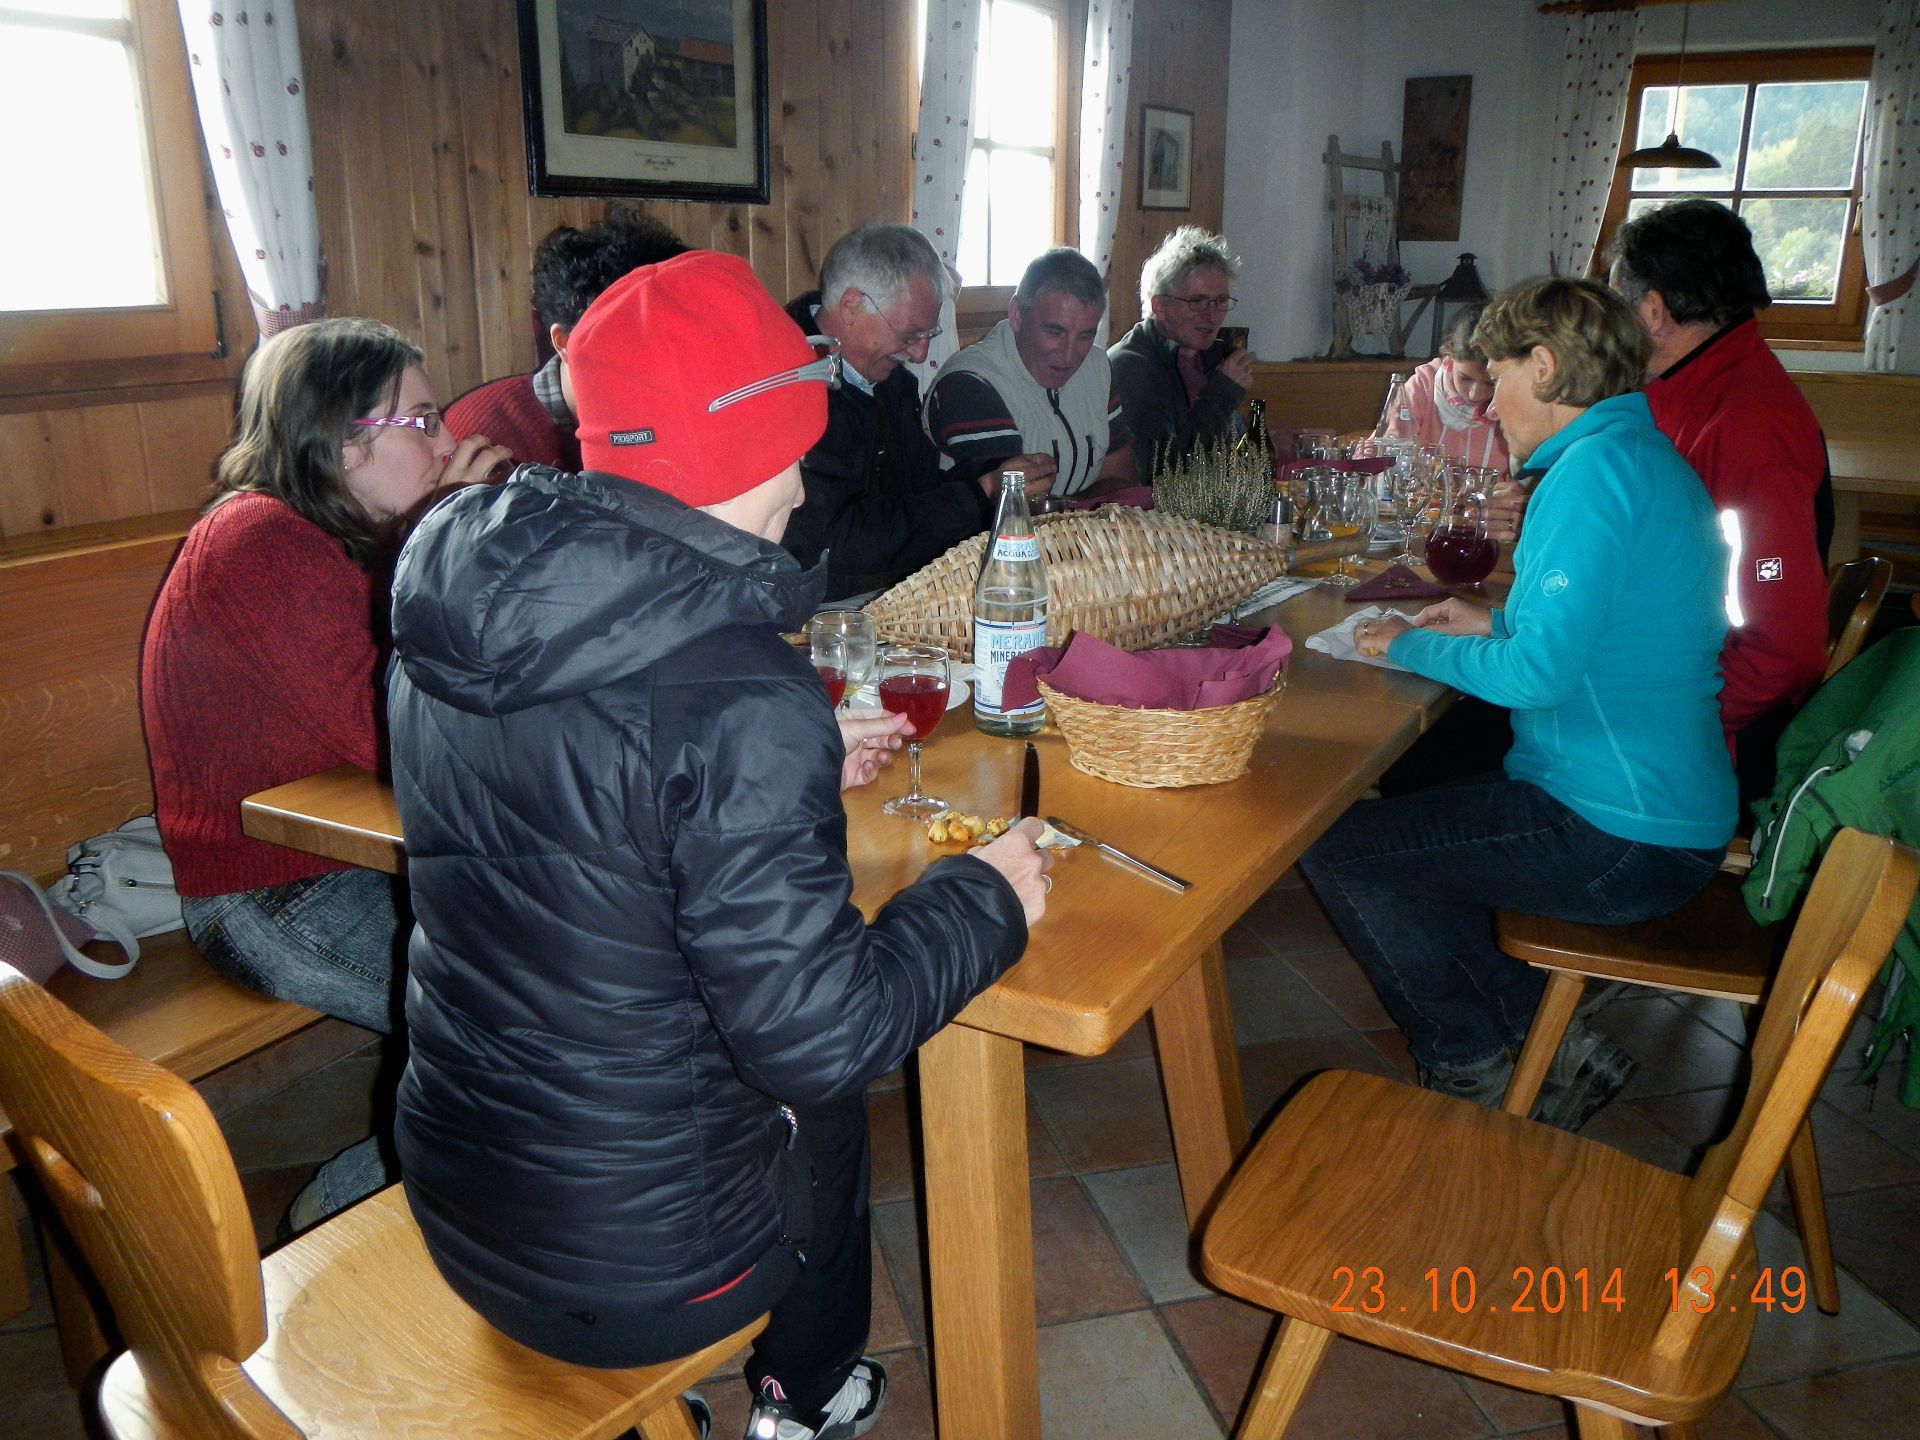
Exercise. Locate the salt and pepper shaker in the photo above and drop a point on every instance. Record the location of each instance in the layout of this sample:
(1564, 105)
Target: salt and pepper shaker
(1279, 526)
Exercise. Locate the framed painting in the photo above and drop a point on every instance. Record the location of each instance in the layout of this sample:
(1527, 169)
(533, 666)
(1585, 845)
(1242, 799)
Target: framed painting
(1166, 158)
(1433, 156)
(658, 99)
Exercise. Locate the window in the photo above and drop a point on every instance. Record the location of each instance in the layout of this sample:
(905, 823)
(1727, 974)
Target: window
(1015, 203)
(1786, 127)
(104, 254)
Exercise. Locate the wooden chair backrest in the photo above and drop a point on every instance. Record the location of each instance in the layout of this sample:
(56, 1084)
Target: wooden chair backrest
(1855, 589)
(140, 1174)
(1858, 902)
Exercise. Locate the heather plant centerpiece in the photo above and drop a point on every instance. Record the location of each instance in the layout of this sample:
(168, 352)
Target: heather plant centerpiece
(1217, 485)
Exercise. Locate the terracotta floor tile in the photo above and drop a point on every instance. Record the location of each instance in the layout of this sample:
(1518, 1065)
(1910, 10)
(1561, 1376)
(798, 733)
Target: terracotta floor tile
(39, 1311)
(1272, 1002)
(1733, 1419)
(1291, 921)
(1363, 1393)
(1513, 1409)
(1873, 1237)
(1877, 1402)
(1144, 1210)
(1271, 1071)
(1729, 1017)
(1077, 1272)
(1877, 1107)
(1625, 1127)
(896, 1227)
(890, 1131)
(1810, 1343)
(1104, 1117)
(1675, 1050)
(1338, 976)
(1392, 1047)
(889, 1327)
(1224, 1341)
(1118, 1377)
(38, 1404)
(1241, 943)
(1136, 1044)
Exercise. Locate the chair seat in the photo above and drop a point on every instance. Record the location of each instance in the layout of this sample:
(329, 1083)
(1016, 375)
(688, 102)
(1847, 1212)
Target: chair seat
(1709, 946)
(1327, 1189)
(364, 1339)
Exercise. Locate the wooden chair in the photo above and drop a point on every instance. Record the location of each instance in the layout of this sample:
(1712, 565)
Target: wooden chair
(348, 1331)
(1514, 1252)
(1855, 589)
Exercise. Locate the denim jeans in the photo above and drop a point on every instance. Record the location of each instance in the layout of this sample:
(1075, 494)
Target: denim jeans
(333, 943)
(1412, 885)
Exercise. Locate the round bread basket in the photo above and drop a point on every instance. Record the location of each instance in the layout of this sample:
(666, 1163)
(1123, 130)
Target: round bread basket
(1162, 749)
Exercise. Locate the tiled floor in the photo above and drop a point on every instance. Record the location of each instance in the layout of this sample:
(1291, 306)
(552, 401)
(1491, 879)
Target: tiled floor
(1132, 1345)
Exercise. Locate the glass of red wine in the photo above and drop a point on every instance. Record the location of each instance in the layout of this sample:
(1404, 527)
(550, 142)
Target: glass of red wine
(913, 683)
(1459, 550)
(828, 652)
(856, 628)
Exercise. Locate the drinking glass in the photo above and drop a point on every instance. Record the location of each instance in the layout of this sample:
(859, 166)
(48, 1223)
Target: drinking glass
(1409, 494)
(913, 683)
(1348, 510)
(828, 651)
(1306, 487)
(856, 628)
(1459, 551)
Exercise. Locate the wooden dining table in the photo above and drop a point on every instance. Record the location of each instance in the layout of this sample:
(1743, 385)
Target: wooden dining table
(1112, 948)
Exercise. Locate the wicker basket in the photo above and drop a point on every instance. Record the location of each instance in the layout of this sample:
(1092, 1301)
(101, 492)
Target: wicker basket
(1161, 749)
(1131, 577)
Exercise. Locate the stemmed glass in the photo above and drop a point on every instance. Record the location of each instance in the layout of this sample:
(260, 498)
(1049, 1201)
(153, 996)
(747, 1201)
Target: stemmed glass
(1409, 493)
(1307, 487)
(856, 629)
(1348, 510)
(913, 682)
(828, 652)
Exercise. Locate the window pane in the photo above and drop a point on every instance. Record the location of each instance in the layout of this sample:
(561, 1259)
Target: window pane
(1805, 136)
(1709, 120)
(1020, 62)
(73, 9)
(972, 255)
(1022, 197)
(104, 251)
(1799, 243)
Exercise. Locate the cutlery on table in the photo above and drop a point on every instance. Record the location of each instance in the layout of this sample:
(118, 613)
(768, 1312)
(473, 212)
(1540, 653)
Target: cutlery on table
(1152, 872)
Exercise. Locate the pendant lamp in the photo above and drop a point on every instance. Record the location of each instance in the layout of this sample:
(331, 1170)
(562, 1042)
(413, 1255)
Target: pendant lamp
(1670, 154)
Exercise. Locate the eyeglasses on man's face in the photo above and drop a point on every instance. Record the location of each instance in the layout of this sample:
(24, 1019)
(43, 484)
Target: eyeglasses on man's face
(1200, 304)
(905, 339)
(427, 424)
(826, 369)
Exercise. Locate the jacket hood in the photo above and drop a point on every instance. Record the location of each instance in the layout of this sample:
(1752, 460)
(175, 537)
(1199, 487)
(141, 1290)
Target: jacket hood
(553, 585)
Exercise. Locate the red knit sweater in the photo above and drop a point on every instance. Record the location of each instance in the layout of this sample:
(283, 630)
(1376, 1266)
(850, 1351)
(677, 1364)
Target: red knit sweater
(508, 413)
(259, 668)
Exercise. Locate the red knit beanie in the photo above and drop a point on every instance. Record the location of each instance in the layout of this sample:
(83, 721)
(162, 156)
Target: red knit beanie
(654, 352)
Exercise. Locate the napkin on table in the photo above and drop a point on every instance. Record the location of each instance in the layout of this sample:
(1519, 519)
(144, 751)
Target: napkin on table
(1337, 640)
(1397, 582)
(1239, 664)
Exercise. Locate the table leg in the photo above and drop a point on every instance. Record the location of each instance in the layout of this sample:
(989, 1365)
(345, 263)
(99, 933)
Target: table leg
(1200, 1068)
(13, 1263)
(1845, 544)
(973, 1114)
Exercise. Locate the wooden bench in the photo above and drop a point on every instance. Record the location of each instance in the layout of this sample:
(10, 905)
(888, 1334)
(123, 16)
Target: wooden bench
(75, 764)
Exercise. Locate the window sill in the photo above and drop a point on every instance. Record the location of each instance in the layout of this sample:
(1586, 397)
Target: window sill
(1788, 343)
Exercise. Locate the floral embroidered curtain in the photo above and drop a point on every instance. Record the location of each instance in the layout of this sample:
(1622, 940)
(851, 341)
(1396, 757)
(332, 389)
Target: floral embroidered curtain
(1104, 82)
(943, 141)
(1595, 68)
(1890, 211)
(245, 64)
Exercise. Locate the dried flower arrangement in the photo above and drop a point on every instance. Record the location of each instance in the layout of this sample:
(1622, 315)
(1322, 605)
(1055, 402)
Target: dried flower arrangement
(1216, 485)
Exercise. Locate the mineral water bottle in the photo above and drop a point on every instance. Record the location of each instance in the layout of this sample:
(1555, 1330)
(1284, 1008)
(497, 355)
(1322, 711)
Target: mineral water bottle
(1396, 415)
(1009, 610)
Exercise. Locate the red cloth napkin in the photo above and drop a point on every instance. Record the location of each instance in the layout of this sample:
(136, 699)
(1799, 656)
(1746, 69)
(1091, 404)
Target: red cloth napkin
(1397, 582)
(1239, 664)
(1138, 496)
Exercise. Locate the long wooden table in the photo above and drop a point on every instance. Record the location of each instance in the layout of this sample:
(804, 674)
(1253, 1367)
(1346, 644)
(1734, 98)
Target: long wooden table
(1112, 948)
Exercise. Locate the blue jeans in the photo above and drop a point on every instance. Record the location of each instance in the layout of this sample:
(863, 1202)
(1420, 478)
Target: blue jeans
(332, 943)
(1412, 885)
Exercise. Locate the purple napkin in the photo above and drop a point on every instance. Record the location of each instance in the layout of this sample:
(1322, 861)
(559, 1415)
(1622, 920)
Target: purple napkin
(1239, 664)
(1397, 582)
(1138, 496)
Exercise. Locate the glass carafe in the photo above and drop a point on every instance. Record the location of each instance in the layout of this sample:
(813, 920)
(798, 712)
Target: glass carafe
(1459, 550)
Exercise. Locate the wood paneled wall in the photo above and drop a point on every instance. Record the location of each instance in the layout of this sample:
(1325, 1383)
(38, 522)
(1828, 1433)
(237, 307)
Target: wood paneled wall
(420, 166)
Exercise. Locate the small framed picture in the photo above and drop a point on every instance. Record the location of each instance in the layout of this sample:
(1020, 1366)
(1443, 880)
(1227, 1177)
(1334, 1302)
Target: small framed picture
(1166, 158)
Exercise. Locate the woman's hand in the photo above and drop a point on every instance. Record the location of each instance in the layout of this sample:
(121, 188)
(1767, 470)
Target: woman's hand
(1505, 508)
(1454, 616)
(1374, 637)
(870, 737)
(473, 461)
(1024, 867)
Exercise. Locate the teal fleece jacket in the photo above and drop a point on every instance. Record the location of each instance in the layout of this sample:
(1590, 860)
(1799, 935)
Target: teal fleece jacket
(1608, 650)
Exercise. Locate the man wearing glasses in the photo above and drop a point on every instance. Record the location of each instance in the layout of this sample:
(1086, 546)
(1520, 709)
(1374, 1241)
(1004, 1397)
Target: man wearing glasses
(878, 506)
(1178, 382)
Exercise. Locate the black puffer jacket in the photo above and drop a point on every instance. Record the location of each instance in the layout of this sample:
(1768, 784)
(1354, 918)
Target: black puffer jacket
(627, 847)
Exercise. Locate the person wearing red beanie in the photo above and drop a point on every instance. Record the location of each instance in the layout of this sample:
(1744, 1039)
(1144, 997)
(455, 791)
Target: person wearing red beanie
(642, 1009)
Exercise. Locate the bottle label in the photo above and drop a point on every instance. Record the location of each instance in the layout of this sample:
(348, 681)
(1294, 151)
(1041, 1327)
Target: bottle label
(995, 644)
(1017, 547)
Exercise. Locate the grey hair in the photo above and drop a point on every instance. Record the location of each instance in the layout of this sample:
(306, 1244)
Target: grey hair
(880, 261)
(1184, 251)
(1063, 269)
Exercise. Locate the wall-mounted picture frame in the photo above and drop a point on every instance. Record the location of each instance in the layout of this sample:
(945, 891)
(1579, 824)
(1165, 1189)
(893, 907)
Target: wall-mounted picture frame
(657, 99)
(1166, 158)
(1433, 156)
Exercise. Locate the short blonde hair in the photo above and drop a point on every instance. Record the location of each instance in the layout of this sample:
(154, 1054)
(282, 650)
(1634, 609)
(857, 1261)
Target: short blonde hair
(1598, 347)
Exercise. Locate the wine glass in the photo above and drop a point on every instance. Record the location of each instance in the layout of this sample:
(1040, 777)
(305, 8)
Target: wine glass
(1348, 510)
(1306, 486)
(828, 651)
(1459, 551)
(1409, 493)
(856, 629)
(913, 683)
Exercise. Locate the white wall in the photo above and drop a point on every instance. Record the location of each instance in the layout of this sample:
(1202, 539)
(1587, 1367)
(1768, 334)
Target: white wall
(1301, 69)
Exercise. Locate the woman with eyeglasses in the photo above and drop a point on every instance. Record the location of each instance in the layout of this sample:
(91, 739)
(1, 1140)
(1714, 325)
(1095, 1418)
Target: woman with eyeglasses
(1179, 383)
(262, 660)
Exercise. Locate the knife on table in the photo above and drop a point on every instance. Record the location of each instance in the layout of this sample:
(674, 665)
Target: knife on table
(1152, 872)
(1029, 784)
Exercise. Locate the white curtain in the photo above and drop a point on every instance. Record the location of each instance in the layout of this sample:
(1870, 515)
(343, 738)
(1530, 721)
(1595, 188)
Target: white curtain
(942, 142)
(245, 63)
(1595, 68)
(1103, 133)
(1890, 212)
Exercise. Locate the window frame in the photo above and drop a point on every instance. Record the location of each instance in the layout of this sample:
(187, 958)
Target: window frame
(37, 344)
(1840, 325)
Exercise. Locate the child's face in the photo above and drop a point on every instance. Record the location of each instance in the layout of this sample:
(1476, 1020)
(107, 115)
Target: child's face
(1470, 378)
